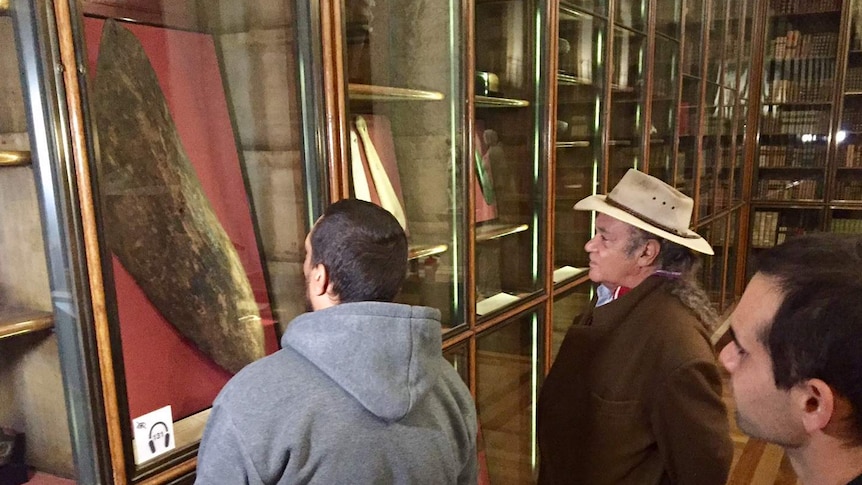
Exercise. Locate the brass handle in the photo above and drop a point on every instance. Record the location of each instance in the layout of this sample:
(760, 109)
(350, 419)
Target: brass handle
(14, 158)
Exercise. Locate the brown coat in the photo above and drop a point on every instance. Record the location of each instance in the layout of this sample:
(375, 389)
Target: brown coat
(634, 397)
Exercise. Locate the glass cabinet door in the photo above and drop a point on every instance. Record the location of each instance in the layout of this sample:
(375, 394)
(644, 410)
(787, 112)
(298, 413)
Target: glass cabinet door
(688, 122)
(193, 131)
(404, 116)
(508, 370)
(848, 157)
(508, 155)
(580, 97)
(32, 409)
(664, 102)
(627, 103)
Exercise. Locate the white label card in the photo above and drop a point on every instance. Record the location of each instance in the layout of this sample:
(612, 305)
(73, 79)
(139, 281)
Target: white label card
(154, 434)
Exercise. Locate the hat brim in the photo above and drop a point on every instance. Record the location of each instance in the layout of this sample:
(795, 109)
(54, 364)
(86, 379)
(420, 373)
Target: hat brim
(597, 203)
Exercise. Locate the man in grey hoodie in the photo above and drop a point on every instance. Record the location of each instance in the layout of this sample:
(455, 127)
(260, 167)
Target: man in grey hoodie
(359, 392)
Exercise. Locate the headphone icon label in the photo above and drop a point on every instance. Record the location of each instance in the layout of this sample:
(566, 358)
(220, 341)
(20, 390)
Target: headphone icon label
(153, 434)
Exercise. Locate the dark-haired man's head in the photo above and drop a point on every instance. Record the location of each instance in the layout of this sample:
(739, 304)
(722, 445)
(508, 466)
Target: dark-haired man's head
(795, 364)
(355, 252)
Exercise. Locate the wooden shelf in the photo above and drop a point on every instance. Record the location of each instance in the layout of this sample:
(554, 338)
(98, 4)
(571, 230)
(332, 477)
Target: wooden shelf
(496, 231)
(572, 80)
(492, 102)
(14, 158)
(573, 144)
(367, 92)
(18, 321)
(424, 250)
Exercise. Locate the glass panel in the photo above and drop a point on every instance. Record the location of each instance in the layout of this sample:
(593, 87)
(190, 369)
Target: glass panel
(578, 136)
(459, 356)
(31, 385)
(732, 257)
(626, 103)
(568, 308)
(508, 187)
(846, 221)
(771, 226)
(798, 90)
(598, 7)
(205, 178)
(664, 108)
(631, 13)
(848, 161)
(717, 41)
(403, 90)
(508, 366)
(712, 269)
(667, 18)
(689, 135)
(693, 37)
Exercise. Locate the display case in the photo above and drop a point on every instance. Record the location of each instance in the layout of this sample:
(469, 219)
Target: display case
(806, 134)
(581, 83)
(31, 415)
(664, 92)
(403, 122)
(509, 154)
(177, 190)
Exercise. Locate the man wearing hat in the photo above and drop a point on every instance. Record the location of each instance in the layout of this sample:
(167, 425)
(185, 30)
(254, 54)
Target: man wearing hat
(634, 395)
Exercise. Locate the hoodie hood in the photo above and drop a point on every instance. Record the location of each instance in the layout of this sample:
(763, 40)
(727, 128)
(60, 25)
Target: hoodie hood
(386, 355)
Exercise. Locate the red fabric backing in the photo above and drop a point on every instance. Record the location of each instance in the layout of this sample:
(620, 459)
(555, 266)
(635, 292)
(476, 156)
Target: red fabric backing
(161, 366)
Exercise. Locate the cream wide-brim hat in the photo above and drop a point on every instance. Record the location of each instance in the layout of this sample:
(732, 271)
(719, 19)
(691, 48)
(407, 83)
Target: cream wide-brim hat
(652, 205)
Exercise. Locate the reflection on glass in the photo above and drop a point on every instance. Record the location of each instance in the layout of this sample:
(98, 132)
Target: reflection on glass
(631, 13)
(732, 258)
(693, 40)
(401, 67)
(507, 373)
(578, 135)
(567, 309)
(667, 16)
(507, 187)
(664, 108)
(458, 356)
(221, 127)
(599, 7)
(712, 269)
(626, 103)
(688, 127)
(31, 384)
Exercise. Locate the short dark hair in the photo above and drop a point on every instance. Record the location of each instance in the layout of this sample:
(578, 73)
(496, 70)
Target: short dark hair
(364, 250)
(818, 326)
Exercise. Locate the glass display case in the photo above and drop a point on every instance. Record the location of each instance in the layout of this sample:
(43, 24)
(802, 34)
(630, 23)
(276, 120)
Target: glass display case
(508, 374)
(33, 421)
(689, 117)
(508, 161)
(664, 96)
(579, 126)
(176, 215)
(628, 96)
(403, 120)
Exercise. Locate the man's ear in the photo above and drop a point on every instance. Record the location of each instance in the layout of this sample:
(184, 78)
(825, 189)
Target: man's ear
(649, 253)
(318, 280)
(815, 402)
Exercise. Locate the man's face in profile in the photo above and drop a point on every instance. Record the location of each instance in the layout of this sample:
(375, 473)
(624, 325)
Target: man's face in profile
(306, 271)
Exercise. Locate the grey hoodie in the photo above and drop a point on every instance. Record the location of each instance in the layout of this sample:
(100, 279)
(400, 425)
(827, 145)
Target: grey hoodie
(359, 393)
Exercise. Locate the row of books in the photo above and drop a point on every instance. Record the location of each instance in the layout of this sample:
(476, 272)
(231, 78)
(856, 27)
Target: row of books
(808, 156)
(846, 226)
(788, 189)
(853, 82)
(796, 45)
(804, 6)
(795, 122)
(848, 189)
(850, 156)
(852, 121)
(764, 229)
(801, 80)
